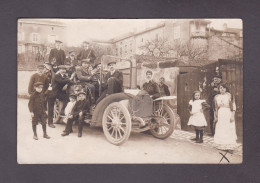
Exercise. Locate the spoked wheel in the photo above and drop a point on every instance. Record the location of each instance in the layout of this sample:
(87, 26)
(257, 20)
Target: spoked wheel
(56, 114)
(116, 123)
(162, 124)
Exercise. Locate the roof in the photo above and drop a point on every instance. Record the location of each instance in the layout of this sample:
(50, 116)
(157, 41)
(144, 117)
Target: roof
(42, 22)
(128, 35)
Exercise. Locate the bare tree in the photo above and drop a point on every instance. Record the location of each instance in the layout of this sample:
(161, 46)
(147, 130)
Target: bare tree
(156, 47)
(191, 49)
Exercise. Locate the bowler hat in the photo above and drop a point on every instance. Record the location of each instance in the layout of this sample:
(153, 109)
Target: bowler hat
(38, 84)
(95, 66)
(62, 67)
(85, 42)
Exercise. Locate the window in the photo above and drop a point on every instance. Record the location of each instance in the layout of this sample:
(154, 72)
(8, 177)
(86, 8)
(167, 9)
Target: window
(116, 52)
(52, 28)
(142, 40)
(52, 38)
(121, 51)
(35, 49)
(176, 32)
(157, 37)
(35, 37)
(20, 36)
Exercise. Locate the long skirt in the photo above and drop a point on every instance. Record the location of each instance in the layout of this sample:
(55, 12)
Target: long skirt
(225, 134)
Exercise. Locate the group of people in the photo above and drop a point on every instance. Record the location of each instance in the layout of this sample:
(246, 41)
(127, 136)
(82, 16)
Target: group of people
(222, 115)
(55, 78)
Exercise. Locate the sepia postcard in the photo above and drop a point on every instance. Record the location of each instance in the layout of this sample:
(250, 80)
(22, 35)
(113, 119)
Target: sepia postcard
(129, 91)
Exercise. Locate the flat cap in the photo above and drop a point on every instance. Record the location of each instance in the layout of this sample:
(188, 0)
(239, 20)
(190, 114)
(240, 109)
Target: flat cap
(82, 92)
(38, 84)
(62, 67)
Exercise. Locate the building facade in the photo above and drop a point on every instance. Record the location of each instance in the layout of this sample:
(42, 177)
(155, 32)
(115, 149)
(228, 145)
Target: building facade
(35, 36)
(197, 31)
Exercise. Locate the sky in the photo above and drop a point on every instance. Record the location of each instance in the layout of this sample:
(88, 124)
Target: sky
(105, 29)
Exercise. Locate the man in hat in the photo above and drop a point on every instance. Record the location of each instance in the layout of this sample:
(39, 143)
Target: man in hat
(113, 81)
(87, 53)
(213, 92)
(78, 113)
(37, 109)
(38, 77)
(71, 60)
(59, 86)
(57, 55)
(85, 77)
(150, 86)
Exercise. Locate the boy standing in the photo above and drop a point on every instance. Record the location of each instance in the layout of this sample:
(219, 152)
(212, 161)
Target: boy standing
(37, 110)
(79, 111)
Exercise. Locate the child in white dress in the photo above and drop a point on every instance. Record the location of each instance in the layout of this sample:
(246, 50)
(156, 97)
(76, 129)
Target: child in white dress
(197, 118)
(69, 107)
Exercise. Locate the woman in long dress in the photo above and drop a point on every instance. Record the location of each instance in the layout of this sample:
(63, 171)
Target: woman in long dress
(225, 133)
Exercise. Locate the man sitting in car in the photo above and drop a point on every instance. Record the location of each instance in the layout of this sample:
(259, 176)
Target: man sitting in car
(85, 78)
(113, 81)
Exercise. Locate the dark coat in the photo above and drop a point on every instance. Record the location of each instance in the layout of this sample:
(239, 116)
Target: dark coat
(83, 75)
(117, 75)
(81, 106)
(152, 88)
(36, 103)
(58, 83)
(37, 78)
(74, 62)
(87, 54)
(59, 55)
(164, 90)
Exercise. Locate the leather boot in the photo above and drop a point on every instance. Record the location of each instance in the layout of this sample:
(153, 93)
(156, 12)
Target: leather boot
(80, 131)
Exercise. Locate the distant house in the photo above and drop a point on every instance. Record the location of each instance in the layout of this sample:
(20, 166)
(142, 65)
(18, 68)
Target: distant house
(34, 34)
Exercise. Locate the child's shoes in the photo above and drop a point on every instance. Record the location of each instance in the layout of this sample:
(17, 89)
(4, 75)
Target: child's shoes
(35, 137)
(46, 136)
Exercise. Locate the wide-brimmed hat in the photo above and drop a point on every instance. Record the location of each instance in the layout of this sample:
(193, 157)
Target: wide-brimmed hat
(111, 62)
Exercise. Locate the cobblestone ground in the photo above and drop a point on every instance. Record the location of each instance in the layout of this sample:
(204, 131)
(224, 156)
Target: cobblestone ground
(208, 141)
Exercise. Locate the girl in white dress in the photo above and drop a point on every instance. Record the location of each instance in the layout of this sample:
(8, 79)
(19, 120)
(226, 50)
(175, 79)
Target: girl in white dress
(225, 134)
(197, 118)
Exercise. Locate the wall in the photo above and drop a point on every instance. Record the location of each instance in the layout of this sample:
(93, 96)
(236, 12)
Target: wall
(220, 49)
(23, 78)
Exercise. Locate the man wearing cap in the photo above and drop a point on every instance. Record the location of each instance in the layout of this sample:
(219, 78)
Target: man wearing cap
(79, 111)
(87, 53)
(85, 77)
(38, 77)
(213, 92)
(113, 81)
(59, 85)
(57, 55)
(150, 86)
(71, 60)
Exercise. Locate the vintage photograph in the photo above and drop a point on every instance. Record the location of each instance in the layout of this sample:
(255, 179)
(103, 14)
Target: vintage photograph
(129, 91)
